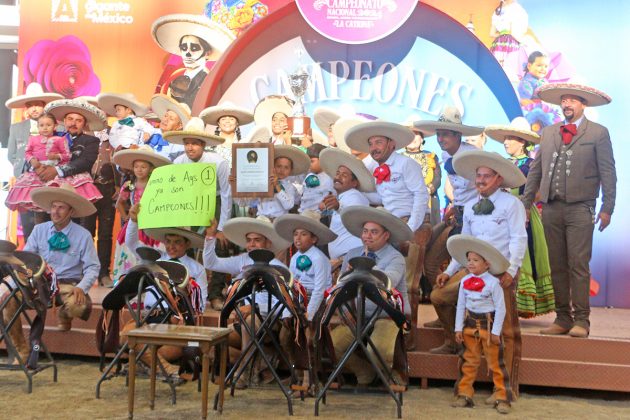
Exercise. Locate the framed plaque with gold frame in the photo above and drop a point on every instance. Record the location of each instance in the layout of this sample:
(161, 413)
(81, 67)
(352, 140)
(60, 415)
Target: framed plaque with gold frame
(252, 164)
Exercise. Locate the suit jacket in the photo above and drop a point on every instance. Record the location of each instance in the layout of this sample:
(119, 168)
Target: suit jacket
(84, 152)
(18, 139)
(592, 166)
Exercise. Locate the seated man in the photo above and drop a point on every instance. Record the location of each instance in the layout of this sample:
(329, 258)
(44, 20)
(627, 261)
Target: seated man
(380, 232)
(69, 251)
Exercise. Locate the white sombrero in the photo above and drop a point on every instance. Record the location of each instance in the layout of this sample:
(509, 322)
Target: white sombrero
(161, 103)
(357, 137)
(331, 159)
(553, 92)
(95, 118)
(108, 101)
(125, 158)
(160, 234)
(92, 100)
(301, 161)
(409, 123)
(260, 134)
(213, 114)
(319, 138)
(308, 220)
(341, 127)
(325, 117)
(45, 196)
(449, 119)
(195, 129)
(354, 217)
(466, 163)
(519, 127)
(168, 30)
(34, 93)
(460, 245)
(6, 253)
(236, 230)
(269, 105)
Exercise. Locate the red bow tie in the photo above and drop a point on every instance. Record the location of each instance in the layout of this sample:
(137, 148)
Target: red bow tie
(475, 284)
(567, 132)
(382, 173)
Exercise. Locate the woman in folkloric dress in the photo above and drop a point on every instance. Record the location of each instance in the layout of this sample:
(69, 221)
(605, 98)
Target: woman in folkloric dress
(509, 25)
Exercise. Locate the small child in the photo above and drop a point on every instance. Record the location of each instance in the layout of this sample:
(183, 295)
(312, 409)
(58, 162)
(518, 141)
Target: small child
(534, 77)
(317, 184)
(479, 319)
(130, 129)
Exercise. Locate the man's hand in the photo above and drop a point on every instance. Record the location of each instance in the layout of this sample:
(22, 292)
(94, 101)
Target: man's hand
(330, 202)
(450, 212)
(211, 231)
(46, 173)
(133, 212)
(441, 279)
(495, 339)
(459, 337)
(506, 280)
(79, 296)
(603, 219)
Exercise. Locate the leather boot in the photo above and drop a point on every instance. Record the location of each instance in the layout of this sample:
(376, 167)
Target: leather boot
(15, 333)
(446, 315)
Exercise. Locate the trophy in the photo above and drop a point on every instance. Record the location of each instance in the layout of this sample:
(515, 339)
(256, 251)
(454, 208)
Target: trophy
(299, 123)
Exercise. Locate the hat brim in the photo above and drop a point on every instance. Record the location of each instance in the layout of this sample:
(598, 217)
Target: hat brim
(237, 228)
(161, 103)
(6, 253)
(357, 137)
(500, 132)
(286, 224)
(168, 30)
(213, 114)
(160, 234)
(95, 118)
(325, 117)
(20, 101)
(466, 163)
(125, 158)
(460, 245)
(301, 161)
(268, 106)
(45, 196)
(108, 101)
(259, 135)
(354, 217)
(433, 126)
(331, 159)
(341, 127)
(177, 137)
(553, 92)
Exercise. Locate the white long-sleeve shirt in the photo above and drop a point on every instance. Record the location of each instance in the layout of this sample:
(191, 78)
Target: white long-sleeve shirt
(125, 136)
(464, 191)
(345, 241)
(312, 196)
(316, 279)
(280, 203)
(489, 299)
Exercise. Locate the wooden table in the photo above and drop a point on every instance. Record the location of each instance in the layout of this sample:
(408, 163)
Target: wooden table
(179, 335)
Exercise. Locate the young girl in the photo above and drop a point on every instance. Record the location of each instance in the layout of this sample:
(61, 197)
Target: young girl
(141, 162)
(534, 77)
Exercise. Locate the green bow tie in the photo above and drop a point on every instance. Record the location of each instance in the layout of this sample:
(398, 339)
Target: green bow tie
(303, 263)
(484, 206)
(126, 121)
(58, 242)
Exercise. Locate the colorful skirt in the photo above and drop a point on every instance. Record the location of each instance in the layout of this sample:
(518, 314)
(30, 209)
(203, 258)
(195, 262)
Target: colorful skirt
(125, 258)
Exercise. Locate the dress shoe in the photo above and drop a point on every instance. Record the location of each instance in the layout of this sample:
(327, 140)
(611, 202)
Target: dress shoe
(436, 323)
(216, 304)
(446, 348)
(462, 402)
(64, 325)
(503, 407)
(491, 400)
(579, 332)
(554, 329)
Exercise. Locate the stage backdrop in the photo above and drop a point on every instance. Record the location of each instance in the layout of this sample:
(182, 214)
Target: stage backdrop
(440, 55)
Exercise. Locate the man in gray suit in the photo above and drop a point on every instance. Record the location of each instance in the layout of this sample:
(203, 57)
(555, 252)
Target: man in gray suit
(574, 161)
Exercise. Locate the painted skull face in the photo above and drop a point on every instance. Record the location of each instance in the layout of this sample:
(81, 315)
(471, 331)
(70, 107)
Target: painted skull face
(192, 51)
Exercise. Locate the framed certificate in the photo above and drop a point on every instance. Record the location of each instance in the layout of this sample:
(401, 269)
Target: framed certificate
(252, 164)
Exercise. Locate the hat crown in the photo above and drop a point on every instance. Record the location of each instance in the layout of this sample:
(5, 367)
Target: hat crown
(450, 114)
(195, 124)
(262, 218)
(520, 123)
(34, 89)
(312, 214)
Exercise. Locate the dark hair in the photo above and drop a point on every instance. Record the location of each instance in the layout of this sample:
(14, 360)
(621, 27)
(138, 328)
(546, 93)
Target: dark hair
(47, 115)
(314, 150)
(499, 8)
(206, 47)
(217, 130)
(532, 58)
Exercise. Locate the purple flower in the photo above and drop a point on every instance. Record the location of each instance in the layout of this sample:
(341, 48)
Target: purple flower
(63, 66)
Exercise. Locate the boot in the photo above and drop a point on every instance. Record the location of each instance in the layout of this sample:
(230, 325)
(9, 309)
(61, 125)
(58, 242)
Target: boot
(15, 333)
(446, 315)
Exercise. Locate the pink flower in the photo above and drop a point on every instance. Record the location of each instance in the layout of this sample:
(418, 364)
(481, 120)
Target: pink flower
(63, 66)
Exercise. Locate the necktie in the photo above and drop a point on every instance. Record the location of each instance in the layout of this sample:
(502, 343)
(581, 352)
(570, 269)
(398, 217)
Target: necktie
(483, 206)
(58, 242)
(156, 141)
(568, 131)
(475, 284)
(303, 263)
(382, 173)
(126, 121)
(448, 166)
(371, 254)
(311, 181)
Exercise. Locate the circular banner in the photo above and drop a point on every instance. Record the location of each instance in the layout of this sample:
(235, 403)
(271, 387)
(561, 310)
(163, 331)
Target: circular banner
(356, 21)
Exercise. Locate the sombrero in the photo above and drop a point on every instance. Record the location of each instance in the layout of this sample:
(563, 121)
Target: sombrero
(34, 93)
(108, 101)
(331, 159)
(553, 92)
(92, 100)
(168, 30)
(354, 217)
(152, 117)
(196, 240)
(161, 103)
(449, 119)
(237, 228)
(194, 129)
(45, 196)
(519, 127)
(301, 161)
(260, 134)
(268, 106)
(460, 245)
(125, 158)
(6, 253)
(341, 127)
(409, 123)
(319, 138)
(213, 114)
(357, 137)
(95, 119)
(466, 163)
(325, 117)
(308, 220)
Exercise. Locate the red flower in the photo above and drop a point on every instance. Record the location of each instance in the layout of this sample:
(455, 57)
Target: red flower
(474, 284)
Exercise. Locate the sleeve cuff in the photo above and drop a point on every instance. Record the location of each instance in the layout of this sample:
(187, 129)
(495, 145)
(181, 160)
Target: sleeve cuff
(59, 171)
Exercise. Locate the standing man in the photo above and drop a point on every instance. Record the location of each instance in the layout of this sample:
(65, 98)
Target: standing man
(173, 117)
(575, 159)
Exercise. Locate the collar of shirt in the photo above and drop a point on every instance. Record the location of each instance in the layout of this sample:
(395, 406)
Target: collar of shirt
(192, 73)
(577, 123)
(65, 230)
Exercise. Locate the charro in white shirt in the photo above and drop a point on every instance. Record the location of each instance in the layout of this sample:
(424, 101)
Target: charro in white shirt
(312, 196)
(464, 191)
(280, 203)
(345, 241)
(316, 279)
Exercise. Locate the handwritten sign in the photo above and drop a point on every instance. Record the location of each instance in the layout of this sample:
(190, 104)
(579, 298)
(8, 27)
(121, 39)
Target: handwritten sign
(179, 195)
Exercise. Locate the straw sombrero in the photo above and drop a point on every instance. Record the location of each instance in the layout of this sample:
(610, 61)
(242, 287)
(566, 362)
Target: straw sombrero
(125, 158)
(160, 234)
(449, 119)
(168, 30)
(194, 129)
(213, 114)
(301, 161)
(260, 134)
(108, 101)
(325, 117)
(466, 163)
(409, 123)
(319, 138)
(354, 217)
(43, 197)
(341, 127)
(460, 245)
(357, 137)
(331, 159)
(308, 220)
(161, 103)
(553, 92)
(92, 100)
(6, 253)
(34, 93)
(269, 105)
(95, 119)
(237, 228)
(519, 127)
